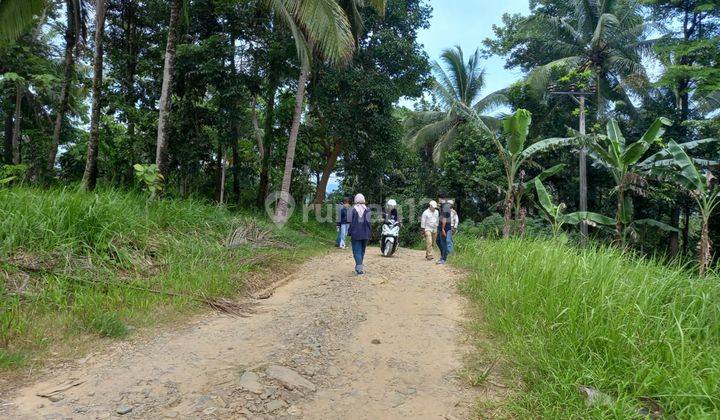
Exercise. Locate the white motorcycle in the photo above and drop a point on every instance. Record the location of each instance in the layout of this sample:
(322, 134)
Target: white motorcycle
(390, 234)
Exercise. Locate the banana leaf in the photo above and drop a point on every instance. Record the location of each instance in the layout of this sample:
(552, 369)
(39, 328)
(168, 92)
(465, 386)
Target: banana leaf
(687, 173)
(579, 216)
(542, 176)
(517, 128)
(657, 224)
(544, 199)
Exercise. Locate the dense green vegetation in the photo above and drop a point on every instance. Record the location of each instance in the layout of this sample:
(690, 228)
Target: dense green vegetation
(77, 264)
(636, 330)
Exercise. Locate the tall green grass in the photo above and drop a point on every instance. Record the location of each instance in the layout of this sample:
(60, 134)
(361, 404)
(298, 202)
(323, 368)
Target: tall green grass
(80, 257)
(627, 327)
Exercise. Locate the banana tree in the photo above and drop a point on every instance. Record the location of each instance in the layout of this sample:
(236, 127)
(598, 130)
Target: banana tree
(557, 217)
(514, 154)
(703, 188)
(622, 161)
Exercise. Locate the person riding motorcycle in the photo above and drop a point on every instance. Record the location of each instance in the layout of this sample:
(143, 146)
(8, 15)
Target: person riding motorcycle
(390, 229)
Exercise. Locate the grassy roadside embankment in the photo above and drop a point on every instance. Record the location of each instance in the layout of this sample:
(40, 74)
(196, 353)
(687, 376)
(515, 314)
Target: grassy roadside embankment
(72, 265)
(644, 334)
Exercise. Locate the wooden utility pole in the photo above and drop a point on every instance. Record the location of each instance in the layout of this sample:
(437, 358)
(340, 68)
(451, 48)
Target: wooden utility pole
(583, 173)
(579, 97)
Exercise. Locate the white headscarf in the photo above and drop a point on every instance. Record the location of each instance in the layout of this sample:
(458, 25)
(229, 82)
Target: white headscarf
(360, 206)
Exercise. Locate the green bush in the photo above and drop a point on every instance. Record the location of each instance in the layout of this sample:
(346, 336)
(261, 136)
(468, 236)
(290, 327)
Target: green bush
(491, 227)
(630, 328)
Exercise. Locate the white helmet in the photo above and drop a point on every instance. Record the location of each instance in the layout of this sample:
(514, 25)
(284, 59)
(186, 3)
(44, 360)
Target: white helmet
(433, 203)
(392, 203)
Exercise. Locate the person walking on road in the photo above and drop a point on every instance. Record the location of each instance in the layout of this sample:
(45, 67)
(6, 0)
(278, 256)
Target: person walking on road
(428, 228)
(343, 223)
(359, 231)
(454, 222)
(444, 226)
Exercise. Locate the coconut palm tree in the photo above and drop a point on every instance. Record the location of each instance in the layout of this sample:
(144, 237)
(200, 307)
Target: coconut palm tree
(604, 37)
(320, 26)
(458, 86)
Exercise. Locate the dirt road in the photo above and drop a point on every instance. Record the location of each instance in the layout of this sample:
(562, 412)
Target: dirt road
(326, 345)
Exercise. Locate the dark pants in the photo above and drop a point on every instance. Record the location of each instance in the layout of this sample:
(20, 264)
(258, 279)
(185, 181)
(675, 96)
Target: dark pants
(358, 250)
(442, 243)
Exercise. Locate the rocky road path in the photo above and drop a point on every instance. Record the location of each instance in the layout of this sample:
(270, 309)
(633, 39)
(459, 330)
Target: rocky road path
(326, 345)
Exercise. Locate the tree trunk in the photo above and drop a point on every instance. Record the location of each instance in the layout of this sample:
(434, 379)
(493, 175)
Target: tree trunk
(675, 236)
(235, 129)
(161, 158)
(521, 221)
(70, 41)
(8, 147)
(268, 136)
(686, 229)
(599, 95)
(618, 217)
(221, 174)
(16, 128)
(89, 179)
(130, 13)
(704, 247)
(235, 171)
(507, 218)
(332, 157)
(281, 213)
(256, 128)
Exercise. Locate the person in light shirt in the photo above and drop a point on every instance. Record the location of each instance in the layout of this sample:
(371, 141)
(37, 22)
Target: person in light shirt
(428, 228)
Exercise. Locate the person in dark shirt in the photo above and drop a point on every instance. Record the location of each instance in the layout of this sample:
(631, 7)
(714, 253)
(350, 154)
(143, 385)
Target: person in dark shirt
(359, 231)
(444, 227)
(343, 223)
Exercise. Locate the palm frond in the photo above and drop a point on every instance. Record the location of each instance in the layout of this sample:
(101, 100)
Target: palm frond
(323, 25)
(606, 23)
(492, 124)
(444, 85)
(491, 101)
(417, 120)
(444, 143)
(454, 62)
(17, 15)
(431, 133)
(302, 46)
(709, 103)
(539, 77)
